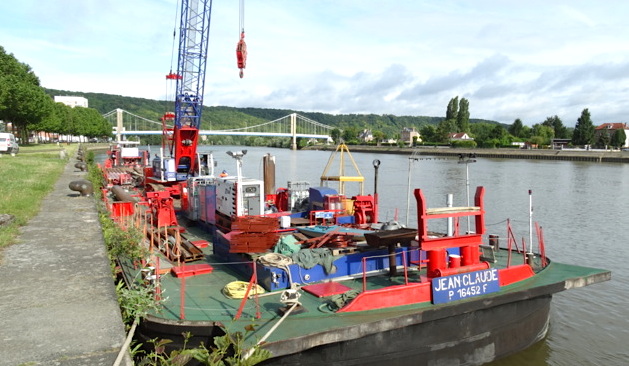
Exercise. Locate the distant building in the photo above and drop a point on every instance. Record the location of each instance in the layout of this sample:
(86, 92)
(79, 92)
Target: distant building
(559, 144)
(459, 136)
(365, 135)
(407, 135)
(611, 128)
(71, 101)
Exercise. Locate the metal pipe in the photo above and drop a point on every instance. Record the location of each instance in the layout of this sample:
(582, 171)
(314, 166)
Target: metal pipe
(268, 164)
(120, 194)
(411, 159)
(530, 221)
(449, 203)
(443, 272)
(376, 165)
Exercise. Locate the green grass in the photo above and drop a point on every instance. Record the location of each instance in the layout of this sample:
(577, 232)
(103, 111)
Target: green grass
(25, 179)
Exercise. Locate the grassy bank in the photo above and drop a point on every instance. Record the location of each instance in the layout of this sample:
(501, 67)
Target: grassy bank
(25, 179)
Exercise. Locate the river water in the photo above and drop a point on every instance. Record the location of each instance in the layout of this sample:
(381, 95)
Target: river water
(581, 206)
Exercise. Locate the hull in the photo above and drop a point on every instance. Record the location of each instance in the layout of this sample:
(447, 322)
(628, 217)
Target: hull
(459, 335)
(472, 338)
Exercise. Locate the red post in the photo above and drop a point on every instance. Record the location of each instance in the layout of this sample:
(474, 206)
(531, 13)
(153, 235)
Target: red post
(257, 299)
(404, 254)
(470, 255)
(158, 285)
(252, 282)
(436, 260)
(455, 260)
(182, 299)
(364, 260)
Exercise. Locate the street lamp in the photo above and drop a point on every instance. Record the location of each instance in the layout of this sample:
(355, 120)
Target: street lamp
(238, 155)
(467, 159)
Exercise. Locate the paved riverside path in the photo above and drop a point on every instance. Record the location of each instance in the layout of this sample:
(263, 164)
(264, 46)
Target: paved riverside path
(57, 296)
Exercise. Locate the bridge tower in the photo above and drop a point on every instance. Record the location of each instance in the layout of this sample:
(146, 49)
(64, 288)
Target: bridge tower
(119, 125)
(293, 130)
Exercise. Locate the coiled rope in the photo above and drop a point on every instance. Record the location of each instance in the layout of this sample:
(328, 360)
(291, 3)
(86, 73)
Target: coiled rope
(278, 260)
(237, 289)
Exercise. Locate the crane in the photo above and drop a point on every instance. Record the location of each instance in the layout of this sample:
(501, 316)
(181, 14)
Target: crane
(182, 139)
(174, 171)
(167, 178)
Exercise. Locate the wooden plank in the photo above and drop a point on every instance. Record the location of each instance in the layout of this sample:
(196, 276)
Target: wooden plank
(448, 210)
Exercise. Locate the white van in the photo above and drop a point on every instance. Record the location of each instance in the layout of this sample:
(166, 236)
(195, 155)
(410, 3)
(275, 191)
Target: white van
(8, 144)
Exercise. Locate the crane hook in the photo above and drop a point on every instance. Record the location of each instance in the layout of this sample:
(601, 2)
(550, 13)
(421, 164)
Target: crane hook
(241, 54)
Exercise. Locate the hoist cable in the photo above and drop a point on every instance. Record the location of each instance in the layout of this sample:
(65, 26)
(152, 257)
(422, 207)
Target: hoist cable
(172, 49)
(241, 24)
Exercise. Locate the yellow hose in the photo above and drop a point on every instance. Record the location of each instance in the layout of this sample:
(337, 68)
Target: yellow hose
(237, 289)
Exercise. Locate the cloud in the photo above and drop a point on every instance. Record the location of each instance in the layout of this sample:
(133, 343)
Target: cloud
(577, 15)
(511, 60)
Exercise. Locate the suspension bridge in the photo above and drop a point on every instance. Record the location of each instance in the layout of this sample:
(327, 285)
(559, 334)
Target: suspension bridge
(125, 123)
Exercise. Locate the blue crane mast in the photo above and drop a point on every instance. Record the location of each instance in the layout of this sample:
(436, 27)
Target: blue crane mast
(194, 31)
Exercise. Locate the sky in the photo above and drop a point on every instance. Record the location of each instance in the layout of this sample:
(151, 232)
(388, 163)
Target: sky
(510, 59)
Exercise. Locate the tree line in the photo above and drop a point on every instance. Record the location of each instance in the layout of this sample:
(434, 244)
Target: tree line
(492, 135)
(28, 108)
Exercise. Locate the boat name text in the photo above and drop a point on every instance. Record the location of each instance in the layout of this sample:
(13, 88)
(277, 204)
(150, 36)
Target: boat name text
(464, 285)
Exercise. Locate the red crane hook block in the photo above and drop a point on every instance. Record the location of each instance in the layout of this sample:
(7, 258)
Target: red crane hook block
(241, 54)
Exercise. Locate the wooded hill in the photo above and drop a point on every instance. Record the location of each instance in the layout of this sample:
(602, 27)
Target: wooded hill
(232, 117)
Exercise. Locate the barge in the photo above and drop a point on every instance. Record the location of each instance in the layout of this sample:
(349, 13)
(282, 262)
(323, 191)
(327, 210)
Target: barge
(229, 263)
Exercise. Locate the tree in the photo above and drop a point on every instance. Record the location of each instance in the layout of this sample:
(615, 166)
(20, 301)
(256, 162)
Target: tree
(603, 139)
(584, 130)
(453, 109)
(561, 132)
(22, 101)
(463, 117)
(542, 134)
(9, 65)
(619, 138)
(90, 123)
(335, 134)
(536, 141)
(526, 132)
(52, 122)
(24, 104)
(428, 133)
(378, 136)
(498, 132)
(445, 127)
(350, 135)
(516, 128)
(489, 134)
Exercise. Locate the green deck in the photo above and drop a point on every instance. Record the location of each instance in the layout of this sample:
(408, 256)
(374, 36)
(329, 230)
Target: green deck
(204, 300)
